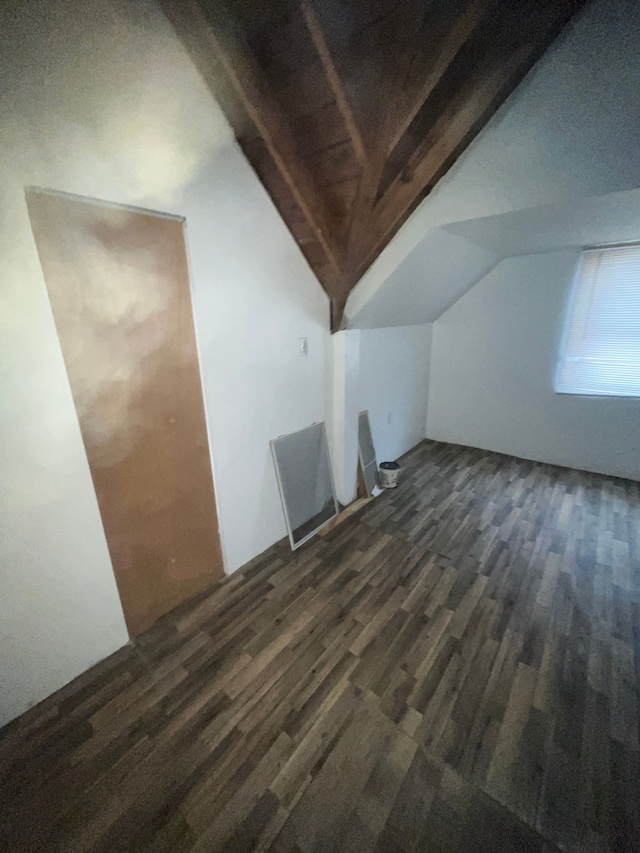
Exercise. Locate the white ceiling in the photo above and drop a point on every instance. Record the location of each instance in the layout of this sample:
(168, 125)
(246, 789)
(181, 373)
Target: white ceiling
(451, 258)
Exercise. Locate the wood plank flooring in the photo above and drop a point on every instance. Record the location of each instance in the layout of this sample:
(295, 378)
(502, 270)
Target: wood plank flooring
(454, 668)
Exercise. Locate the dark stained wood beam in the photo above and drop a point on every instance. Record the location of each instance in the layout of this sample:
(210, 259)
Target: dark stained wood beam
(215, 31)
(350, 112)
(399, 54)
(426, 165)
(400, 50)
(466, 113)
(362, 45)
(438, 61)
(334, 79)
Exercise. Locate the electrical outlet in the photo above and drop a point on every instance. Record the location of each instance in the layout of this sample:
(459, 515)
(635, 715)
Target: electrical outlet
(304, 346)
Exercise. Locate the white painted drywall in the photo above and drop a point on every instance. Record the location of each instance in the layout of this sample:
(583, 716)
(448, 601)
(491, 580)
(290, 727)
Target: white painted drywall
(493, 361)
(570, 130)
(394, 386)
(450, 259)
(99, 98)
(612, 218)
(440, 269)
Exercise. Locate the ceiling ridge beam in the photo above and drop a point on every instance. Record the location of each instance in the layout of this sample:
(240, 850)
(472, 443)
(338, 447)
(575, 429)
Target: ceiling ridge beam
(468, 112)
(399, 49)
(462, 29)
(434, 154)
(333, 77)
(216, 31)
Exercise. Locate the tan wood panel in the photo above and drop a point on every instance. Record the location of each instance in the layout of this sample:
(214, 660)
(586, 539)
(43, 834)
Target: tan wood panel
(118, 284)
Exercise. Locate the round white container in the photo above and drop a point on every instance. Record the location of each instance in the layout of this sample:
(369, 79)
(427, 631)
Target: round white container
(389, 474)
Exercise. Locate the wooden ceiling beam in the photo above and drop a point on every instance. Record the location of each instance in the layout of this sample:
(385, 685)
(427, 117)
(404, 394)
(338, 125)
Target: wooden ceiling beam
(398, 54)
(466, 113)
(399, 51)
(350, 112)
(215, 31)
(437, 64)
(333, 77)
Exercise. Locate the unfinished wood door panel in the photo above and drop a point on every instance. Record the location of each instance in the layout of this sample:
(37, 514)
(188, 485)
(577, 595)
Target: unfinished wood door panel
(119, 289)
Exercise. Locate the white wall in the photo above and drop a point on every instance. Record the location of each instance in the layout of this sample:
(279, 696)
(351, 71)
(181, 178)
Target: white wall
(450, 259)
(438, 271)
(394, 386)
(570, 130)
(99, 99)
(493, 362)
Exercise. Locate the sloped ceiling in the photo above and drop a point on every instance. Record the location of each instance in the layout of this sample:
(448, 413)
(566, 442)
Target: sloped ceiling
(350, 111)
(452, 258)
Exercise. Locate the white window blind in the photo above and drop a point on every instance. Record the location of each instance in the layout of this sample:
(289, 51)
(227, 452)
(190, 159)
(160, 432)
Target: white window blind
(601, 352)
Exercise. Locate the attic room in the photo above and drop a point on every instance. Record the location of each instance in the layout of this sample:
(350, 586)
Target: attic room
(320, 507)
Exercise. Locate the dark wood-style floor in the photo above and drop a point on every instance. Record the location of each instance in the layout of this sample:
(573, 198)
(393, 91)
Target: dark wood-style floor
(455, 668)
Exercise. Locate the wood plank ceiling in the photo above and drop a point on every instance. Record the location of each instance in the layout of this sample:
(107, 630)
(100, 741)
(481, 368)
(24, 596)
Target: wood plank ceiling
(350, 111)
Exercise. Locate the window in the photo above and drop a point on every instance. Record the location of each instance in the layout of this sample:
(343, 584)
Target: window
(601, 353)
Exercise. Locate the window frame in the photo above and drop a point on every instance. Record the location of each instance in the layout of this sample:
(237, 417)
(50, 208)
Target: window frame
(567, 324)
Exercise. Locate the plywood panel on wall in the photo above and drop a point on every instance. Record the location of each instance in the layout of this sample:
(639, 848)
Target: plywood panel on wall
(119, 289)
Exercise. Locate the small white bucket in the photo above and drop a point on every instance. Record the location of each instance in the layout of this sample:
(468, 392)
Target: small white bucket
(389, 474)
